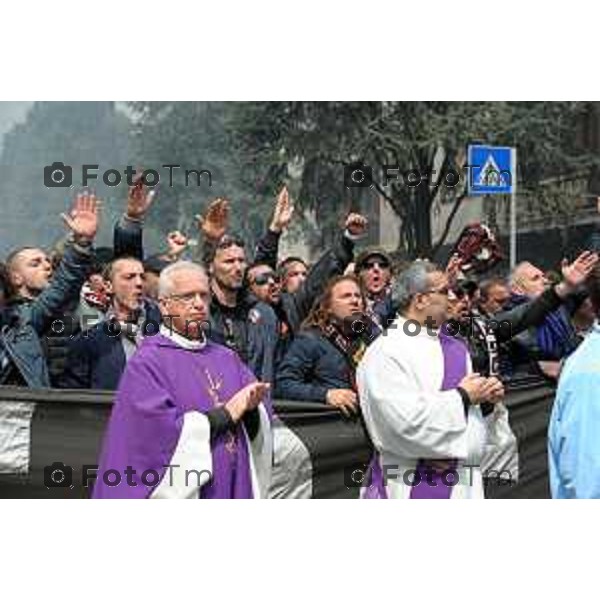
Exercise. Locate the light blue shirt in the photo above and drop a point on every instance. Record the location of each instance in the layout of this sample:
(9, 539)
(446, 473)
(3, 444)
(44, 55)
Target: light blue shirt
(574, 431)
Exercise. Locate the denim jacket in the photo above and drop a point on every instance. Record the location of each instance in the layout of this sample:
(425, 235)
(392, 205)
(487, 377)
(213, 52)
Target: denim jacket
(23, 322)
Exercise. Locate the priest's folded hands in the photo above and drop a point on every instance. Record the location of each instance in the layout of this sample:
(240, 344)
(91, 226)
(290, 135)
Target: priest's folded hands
(246, 399)
(482, 389)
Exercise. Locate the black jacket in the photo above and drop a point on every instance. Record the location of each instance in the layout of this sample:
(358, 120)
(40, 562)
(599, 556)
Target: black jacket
(253, 329)
(488, 336)
(522, 350)
(96, 358)
(127, 241)
(311, 367)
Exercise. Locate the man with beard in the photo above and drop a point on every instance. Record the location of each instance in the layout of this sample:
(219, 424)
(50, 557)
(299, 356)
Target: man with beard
(260, 331)
(38, 295)
(321, 361)
(278, 317)
(97, 357)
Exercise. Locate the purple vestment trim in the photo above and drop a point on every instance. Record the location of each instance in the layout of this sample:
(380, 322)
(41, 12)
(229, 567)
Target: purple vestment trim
(455, 368)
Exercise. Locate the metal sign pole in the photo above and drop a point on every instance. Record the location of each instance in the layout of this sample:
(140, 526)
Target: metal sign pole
(513, 210)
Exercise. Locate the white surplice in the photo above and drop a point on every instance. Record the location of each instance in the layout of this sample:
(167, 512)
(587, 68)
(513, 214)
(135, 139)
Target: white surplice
(410, 418)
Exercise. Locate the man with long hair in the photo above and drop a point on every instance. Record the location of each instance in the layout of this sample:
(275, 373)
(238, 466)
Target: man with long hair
(321, 361)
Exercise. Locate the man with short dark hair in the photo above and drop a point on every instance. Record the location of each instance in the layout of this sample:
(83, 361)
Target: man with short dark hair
(38, 295)
(97, 357)
(261, 331)
(293, 272)
(494, 293)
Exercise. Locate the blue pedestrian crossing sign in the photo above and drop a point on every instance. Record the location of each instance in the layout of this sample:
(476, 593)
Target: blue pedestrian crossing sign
(491, 170)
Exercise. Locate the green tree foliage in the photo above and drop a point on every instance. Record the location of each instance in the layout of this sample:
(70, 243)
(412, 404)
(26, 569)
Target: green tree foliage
(74, 133)
(198, 135)
(425, 137)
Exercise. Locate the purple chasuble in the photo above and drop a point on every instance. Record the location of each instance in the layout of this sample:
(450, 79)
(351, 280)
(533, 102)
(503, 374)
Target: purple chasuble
(161, 383)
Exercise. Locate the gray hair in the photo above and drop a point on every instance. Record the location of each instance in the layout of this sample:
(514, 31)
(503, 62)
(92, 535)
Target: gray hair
(412, 281)
(516, 273)
(165, 281)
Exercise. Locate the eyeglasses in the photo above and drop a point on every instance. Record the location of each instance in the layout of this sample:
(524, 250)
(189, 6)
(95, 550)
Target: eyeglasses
(264, 278)
(444, 291)
(188, 299)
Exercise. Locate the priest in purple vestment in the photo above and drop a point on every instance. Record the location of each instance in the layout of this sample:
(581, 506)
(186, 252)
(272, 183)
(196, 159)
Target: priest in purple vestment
(189, 420)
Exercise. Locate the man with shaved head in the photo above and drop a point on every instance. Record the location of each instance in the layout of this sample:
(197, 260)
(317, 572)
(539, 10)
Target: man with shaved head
(38, 295)
(553, 339)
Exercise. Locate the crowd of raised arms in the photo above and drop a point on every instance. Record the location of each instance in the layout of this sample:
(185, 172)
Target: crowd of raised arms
(74, 318)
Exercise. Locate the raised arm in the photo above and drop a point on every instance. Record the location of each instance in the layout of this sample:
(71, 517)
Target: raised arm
(128, 230)
(72, 271)
(267, 249)
(212, 226)
(333, 262)
(532, 314)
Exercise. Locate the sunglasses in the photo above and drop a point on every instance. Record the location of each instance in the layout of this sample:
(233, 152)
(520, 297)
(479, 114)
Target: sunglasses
(371, 264)
(265, 278)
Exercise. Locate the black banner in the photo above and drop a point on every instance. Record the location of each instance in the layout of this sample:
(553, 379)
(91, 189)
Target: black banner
(66, 427)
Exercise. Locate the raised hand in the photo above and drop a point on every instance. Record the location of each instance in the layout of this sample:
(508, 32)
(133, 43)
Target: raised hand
(139, 199)
(82, 219)
(454, 266)
(213, 225)
(356, 224)
(576, 273)
(284, 210)
(177, 243)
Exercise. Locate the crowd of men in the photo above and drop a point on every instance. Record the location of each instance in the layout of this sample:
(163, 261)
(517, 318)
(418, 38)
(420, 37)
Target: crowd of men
(198, 340)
